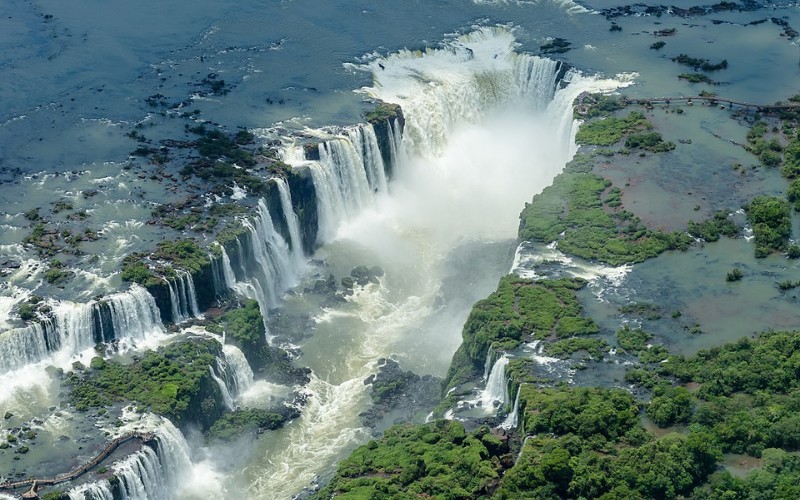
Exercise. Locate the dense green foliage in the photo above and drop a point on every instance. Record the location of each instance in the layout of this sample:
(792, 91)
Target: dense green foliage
(696, 78)
(135, 270)
(167, 381)
(240, 423)
(633, 340)
(592, 105)
(771, 222)
(382, 112)
(650, 141)
(700, 64)
(749, 395)
(711, 229)
(519, 309)
(610, 130)
(572, 212)
(566, 347)
(184, 254)
(438, 460)
(244, 326)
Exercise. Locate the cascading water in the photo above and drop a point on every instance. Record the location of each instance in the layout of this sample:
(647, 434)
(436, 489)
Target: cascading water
(365, 142)
(134, 314)
(242, 374)
(487, 366)
(100, 490)
(291, 222)
(150, 473)
(486, 128)
(22, 346)
(182, 297)
(75, 327)
(512, 419)
(223, 386)
(496, 389)
(348, 175)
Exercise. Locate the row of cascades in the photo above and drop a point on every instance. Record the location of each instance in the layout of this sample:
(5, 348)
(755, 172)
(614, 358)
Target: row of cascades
(260, 265)
(350, 169)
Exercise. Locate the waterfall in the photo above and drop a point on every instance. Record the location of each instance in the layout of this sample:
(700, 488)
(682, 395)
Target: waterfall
(134, 314)
(487, 366)
(365, 142)
(223, 386)
(22, 346)
(512, 419)
(396, 149)
(349, 171)
(276, 270)
(150, 473)
(75, 327)
(227, 270)
(182, 297)
(242, 374)
(100, 490)
(497, 385)
(291, 222)
(140, 476)
(273, 267)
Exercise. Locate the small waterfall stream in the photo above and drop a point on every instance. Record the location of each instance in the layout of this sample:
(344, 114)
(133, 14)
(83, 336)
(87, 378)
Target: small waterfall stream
(496, 389)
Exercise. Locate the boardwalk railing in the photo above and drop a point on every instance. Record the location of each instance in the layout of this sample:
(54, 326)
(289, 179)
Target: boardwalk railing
(75, 473)
(585, 101)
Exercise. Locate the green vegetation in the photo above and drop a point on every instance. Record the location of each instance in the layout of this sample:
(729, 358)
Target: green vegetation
(610, 130)
(749, 393)
(382, 112)
(234, 425)
(771, 222)
(565, 348)
(183, 254)
(657, 45)
(734, 275)
(174, 382)
(711, 230)
(793, 194)
(586, 443)
(56, 274)
(696, 78)
(243, 326)
(700, 64)
(633, 340)
(519, 309)
(643, 310)
(439, 460)
(134, 270)
(571, 211)
(650, 141)
(592, 105)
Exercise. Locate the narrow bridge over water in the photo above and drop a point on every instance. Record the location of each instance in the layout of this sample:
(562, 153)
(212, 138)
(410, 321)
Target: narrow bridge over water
(33, 483)
(585, 101)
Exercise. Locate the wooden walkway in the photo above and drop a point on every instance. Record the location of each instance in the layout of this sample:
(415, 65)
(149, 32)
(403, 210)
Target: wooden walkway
(712, 100)
(585, 101)
(34, 483)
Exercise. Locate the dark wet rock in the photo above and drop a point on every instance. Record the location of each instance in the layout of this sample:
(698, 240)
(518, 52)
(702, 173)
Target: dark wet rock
(8, 415)
(401, 395)
(347, 282)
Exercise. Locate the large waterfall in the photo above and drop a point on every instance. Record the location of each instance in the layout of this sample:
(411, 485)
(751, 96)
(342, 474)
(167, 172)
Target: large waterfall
(182, 297)
(486, 128)
(496, 390)
(74, 327)
(348, 175)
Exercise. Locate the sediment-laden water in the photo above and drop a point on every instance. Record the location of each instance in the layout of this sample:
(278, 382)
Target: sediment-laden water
(486, 126)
